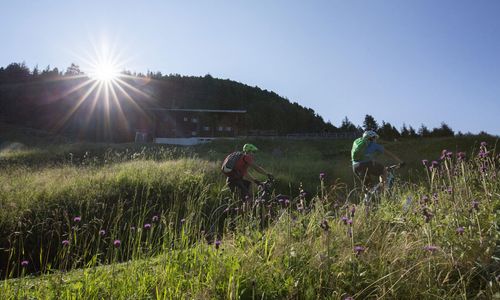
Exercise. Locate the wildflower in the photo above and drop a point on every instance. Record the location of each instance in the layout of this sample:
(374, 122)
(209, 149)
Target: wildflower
(425, 162)
(460, 230)
(443, 154)
(322, 176)
(359, 249)
(65, 243)
(353, 210)
(344, 219)
(449, 154)
(183, 220)
(147, 226)
(155, 218)
(24, 263)
(483, 153)
(461, 155)
(132, 228)
(77, 219)
(217, 244)
(475, 205)
(425, 199)
(324, 225)
(226, 209)
(102, 232)
(349, 222)
(287, 202)
(117, 243)
(449, 190)
(484, 144)
(431, 248)
(427, 214)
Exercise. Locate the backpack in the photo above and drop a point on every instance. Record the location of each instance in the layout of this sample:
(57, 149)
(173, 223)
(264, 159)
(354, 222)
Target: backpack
(230, 163)
(358, 149)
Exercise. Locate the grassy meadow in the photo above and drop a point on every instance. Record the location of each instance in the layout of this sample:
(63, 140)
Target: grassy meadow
(101, 221)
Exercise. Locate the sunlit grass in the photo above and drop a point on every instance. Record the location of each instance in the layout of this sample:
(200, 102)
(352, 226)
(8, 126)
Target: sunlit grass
(410, 249)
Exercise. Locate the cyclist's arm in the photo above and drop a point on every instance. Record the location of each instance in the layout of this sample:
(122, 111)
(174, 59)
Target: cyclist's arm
(389, 153)
(259, 169)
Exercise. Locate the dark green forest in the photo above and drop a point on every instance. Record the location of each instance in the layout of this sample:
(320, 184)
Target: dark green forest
(53, 100)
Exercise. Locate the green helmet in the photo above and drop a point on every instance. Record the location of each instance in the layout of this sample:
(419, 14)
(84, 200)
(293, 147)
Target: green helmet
(249, 148)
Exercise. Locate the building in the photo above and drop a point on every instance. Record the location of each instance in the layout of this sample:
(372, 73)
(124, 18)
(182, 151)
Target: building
(191, 126)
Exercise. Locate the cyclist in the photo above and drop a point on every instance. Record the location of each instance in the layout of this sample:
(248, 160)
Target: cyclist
(238, 171)
(364, 150)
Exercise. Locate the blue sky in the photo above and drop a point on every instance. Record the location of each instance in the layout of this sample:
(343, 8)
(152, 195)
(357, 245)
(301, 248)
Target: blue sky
(410, 62)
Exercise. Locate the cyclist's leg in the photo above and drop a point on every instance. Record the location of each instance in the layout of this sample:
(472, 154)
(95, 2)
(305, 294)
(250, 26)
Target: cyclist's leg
(378, 170)
(362, 171)
(239, 184)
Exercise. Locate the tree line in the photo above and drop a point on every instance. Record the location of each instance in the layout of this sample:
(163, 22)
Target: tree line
(41, 98)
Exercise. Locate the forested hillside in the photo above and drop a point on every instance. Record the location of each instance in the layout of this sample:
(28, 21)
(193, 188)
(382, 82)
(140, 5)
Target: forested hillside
(51, 99)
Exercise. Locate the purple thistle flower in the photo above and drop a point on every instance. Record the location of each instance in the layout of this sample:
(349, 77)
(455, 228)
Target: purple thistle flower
(349, 222)
(24, 263)
(102, 232)
(117, 243)
(217, 244)
(449, 154)
(322, 176)
(287, 202)
(431, 248)
(77, 219)
(443, 154)
(475, 205)
(353, 210)
(155, 218)
(484, 144)
(147, 226)
(461, 155)
(483, 153)
(65, 243)
(435, 163)
(425, 162)
(359, 249)
(344, 219)
(460, 230)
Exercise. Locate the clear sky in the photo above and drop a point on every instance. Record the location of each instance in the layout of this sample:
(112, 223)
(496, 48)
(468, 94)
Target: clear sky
(420, 61)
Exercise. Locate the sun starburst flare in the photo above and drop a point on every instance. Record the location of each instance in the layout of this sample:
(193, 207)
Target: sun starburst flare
(104, 89)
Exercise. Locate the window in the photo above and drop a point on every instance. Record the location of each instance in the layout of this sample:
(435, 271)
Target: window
(206, 128)
(185, 119)
(194, 120)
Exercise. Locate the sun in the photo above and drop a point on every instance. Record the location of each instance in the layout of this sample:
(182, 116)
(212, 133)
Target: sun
(104, 72)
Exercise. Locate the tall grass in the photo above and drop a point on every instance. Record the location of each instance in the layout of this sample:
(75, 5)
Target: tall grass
(182, 235)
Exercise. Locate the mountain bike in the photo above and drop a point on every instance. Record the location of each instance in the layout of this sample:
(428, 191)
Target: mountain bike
(372, 194)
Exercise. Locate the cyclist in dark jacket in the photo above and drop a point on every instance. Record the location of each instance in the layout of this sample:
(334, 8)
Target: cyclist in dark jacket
(237, 178)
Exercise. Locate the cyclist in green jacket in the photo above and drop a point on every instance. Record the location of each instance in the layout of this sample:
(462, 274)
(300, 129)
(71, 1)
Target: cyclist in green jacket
(364, 150)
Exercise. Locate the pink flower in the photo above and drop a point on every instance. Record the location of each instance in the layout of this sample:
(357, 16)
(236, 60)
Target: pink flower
(117, 243)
